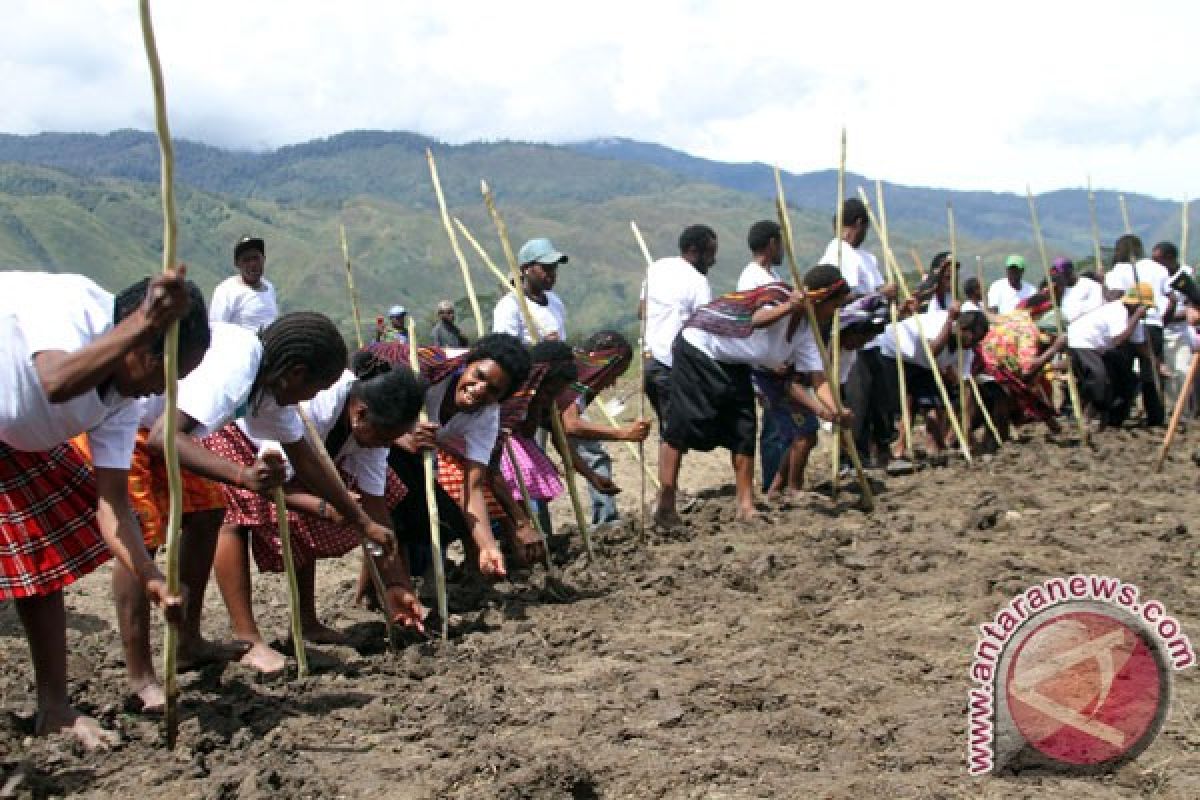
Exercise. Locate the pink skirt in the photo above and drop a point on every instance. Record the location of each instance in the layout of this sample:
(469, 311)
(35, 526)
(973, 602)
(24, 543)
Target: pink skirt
(541, 478)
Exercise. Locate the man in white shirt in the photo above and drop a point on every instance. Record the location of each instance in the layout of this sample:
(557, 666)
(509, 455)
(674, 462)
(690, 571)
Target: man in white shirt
(246, 299)
(1177, 355)
(675, 287)
(1004, 295)
(1077, 295)
(1101, 344)
(539, 260)
(1130, 267)
(859, 268)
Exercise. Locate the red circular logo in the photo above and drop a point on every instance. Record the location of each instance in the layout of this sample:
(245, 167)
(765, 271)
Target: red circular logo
(1084, 689)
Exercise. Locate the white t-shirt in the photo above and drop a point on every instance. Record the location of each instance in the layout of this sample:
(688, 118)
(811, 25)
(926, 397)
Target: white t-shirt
(754, 276)
(1086, 295)
(39, 312)
(1004, 298)
(766, 348)
(1097, 330)
(218, 391)
(367, 464)
(238, 304)
(1149, 272)
(473, 433)
(677, 289)
(859, 268)
(550, 318)
(905, 335)
(1180, 298)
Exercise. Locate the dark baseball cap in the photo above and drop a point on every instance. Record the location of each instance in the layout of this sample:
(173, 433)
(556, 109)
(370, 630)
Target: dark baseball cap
(248, 243)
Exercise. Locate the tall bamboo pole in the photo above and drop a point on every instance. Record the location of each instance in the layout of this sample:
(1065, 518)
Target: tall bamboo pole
(1183, 239)
(458, 254)
(836, 334)
(435, 531)
(318, 446)
(1072, 387)
(171, 367)
(1096, 252)
(506, 285)
(937, 373)
(1125, 214)
(560, 435)
(916, 258)
(289, 568)
(891, 269)
(1180, 403)
(641, 360)
(954, 298)
(350, 286)
(785, 223)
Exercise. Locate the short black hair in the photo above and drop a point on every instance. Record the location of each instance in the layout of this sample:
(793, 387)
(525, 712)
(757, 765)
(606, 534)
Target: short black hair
(194, 332)
(971, 285)
(823, 276)
(508, 352)
(761, 233)
(1168, 249)
(393, 398)
(606, 340)
(697, 237)
(853, 212)
(938, 260)
(974, 321)
(559, 356)
(1128, 249)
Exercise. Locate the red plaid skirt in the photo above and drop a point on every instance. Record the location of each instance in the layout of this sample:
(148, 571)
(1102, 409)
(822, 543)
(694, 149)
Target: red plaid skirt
(48, 533)
(312, 537)
(451, 474)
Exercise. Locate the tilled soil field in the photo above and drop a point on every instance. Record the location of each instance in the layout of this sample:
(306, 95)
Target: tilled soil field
(822, 653)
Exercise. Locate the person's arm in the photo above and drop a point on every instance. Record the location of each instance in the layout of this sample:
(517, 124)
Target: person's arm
(598, 482)
(1134, 319)
(768, 315)
(404, 605)
(820, 400)
(491, 561)
(576, 426)
(123, 536)
(313, 473)
(939, 342)
(1039, 363)
(66, 375)
(260, 476)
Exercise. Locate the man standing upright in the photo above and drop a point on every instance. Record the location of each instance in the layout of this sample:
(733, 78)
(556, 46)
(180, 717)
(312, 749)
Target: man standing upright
(1177, 354)
(1131, 268)
(1004, 295)
(675, 287)
(246, 299)
(539, 260)
(446, 332)
(859, 268)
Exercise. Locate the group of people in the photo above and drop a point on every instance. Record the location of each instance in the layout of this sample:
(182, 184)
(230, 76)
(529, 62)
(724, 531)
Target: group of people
(445, 332)
(269, 400)
(940, 353)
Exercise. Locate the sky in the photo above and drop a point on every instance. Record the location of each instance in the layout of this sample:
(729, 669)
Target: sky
(948, 94)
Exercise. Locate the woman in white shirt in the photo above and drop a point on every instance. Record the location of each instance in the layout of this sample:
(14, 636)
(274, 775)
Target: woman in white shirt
(73, 360)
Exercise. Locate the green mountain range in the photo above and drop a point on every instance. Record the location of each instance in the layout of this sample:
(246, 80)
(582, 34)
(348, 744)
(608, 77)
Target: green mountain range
(89, 203)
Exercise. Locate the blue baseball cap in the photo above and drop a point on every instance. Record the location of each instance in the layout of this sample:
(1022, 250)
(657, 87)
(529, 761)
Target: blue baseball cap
(540, 251)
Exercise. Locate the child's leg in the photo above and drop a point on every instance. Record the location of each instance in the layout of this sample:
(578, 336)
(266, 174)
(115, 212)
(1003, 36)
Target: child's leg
(314, 631)
(45, 623)
(743, 476)
(232, 565)
(133, 621)
(798, 459)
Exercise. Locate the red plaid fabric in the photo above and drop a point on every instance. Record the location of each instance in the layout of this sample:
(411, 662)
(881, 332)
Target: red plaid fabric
(313, 538)
(48, 533)
(451, 475)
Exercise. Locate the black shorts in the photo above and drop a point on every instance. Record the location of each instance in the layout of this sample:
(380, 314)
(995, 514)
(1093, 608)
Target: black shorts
(712, 404)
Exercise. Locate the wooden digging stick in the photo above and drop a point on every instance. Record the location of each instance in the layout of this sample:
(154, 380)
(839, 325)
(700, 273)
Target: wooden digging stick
(1183, 239)
(916, 259)
(435, 531)
(1125, 214)
(289, 567)
(983, 412)
(1177, 414)
(506, 285)
(1072, 387)
(641, 376)
(350, 287)
(318, 446)
(835, 331)
(1096, 252)
(954, 298)
(937, 373)
(171, 367)
(458, 254)
(785, 224)
(560, 436)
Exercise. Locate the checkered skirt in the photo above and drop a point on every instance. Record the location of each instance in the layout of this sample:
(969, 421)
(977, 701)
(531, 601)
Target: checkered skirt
(451, 475)
(312, 537)
(48, 533)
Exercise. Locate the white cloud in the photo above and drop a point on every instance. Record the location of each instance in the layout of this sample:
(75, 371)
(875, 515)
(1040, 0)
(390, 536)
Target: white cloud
(932, 93)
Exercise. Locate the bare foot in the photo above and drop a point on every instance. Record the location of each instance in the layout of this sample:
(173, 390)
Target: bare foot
(668, 520)
(69, 721)
(200, 652)
(749, 515)
(263, 658)
(317, 633)
(150, 699)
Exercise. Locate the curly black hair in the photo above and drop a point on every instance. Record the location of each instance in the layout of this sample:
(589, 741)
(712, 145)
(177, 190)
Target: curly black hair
(508, 352)
(393, 398)
(559, 356)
